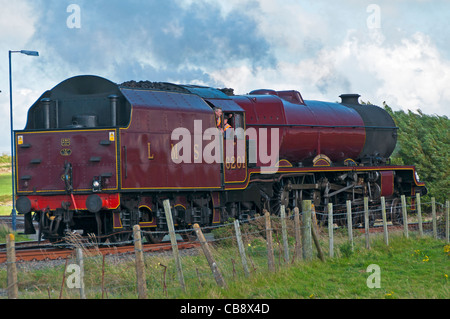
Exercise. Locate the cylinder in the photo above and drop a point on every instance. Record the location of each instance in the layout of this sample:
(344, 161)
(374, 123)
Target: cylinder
(113, 100)
(46, 104)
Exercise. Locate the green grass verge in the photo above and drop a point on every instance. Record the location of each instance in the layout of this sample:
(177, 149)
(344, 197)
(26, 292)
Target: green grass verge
(5, 230)
(409, 268)
(5, 194)
(5, 185)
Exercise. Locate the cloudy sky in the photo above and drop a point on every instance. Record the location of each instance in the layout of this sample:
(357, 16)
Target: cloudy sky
(387, 50)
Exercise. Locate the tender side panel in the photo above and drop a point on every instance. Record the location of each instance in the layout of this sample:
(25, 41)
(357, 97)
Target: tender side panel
(44, 158)
(163, 147)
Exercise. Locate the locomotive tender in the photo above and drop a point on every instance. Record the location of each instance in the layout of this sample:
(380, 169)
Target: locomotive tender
(98, 157)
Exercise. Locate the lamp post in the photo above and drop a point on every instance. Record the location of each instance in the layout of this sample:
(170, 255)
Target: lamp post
(13, 212)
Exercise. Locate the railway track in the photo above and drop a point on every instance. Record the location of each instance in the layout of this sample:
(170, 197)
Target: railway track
(32, 252)
(35, 251)
(7, 220)
(379, 228)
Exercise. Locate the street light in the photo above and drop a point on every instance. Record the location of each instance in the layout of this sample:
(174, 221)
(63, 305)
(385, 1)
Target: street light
(13, 212)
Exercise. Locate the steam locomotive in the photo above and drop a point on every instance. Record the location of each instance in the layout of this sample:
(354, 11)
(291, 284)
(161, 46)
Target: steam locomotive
(98, 157)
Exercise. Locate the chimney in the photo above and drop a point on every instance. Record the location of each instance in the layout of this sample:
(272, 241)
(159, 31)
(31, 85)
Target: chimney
(349, 98)
(46, 104)
(113, 104)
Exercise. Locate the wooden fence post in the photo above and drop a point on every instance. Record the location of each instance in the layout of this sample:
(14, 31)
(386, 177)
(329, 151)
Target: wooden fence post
(173, 240)
(419, 214)
(405, 217)
(80, 262)
(383, 215)
(350, 223)
(306, 233)
(433, 212)
(13, 290)
(140, 266)
(103, 276)
(284, 234)
(315, 237)
(63, 279)
(366, 222)
(209, 257)
(241, 248)
(269, 241)
(298, 249)
(330, 229)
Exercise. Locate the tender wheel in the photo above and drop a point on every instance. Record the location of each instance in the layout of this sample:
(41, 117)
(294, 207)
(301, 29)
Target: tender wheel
(154, 237)
(121, 237)
(396, 212)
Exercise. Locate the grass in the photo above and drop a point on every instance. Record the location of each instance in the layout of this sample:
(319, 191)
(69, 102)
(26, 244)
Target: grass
(5, 185)
(406, 273)
(5, 197)
(5, 230)
(5, 194)
(410, 269)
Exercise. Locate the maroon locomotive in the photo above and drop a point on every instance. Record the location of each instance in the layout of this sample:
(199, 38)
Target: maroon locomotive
(98, 157)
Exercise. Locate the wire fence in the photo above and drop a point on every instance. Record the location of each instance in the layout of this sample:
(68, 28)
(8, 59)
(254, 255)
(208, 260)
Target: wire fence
(228, 253)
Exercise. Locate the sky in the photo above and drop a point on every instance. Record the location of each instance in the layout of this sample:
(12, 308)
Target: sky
(393, 51)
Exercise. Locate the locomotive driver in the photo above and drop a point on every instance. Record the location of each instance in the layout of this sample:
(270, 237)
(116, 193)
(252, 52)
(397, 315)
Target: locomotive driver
(218, 113)
(227, 125)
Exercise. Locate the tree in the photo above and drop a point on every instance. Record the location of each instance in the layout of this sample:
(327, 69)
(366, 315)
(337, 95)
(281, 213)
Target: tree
(424, 141)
